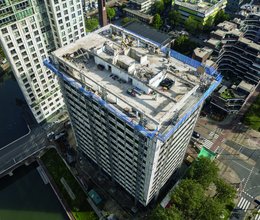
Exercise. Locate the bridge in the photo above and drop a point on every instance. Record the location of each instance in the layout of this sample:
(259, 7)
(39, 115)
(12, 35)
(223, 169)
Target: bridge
(22, 149)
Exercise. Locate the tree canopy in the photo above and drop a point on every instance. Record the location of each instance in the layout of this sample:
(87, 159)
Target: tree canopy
(204, 171)
(225, 192)
(184, 45)
(158, 7)
(2, 53)
(192, 25)
(91, 24)
(169, 214)
(157, 21)
(211, 209)
(188, 197)
(111, 12)
(174, 17)
(127, 19)
(220, 17)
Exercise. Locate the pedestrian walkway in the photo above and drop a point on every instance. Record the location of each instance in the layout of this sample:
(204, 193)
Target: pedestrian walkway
(207, 143)
(243, 204)
(257, 217)
(213, 134)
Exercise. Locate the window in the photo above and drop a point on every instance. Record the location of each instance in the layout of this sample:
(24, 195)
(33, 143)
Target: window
(26, 30)
(7, 38)
(10, 45)
(4, 31)
(14, 27)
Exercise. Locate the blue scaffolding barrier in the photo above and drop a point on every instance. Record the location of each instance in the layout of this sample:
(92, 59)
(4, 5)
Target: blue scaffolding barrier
(91, 95)
(150, 134)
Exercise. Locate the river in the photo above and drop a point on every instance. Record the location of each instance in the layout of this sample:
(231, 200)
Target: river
(24, 196)
(12, 123)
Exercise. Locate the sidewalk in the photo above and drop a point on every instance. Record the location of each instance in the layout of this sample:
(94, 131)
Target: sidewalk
(227, 173)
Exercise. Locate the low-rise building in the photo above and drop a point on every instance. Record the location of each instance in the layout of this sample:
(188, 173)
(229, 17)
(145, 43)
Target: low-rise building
(200, 10)
(240, 58)
(232, 99)
(143, 6)
(138, 15)
(201, 54)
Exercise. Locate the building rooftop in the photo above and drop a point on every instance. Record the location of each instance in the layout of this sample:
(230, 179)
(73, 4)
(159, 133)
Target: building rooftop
(219, 33)
(227, 26)
(139, 14)
(246, 86)
(127, 72)
(148, 32)
(139, 1)
(203, 6)
(202, 52)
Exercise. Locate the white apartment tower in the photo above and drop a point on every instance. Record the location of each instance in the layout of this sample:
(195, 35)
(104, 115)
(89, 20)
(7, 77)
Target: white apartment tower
(133, 105)
(29, 31)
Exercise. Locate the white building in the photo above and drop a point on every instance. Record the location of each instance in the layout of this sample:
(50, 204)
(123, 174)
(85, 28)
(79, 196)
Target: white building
(134, 129)
(29, 30)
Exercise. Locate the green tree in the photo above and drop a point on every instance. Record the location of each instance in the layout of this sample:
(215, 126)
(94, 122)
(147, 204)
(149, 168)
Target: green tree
(204, 171)
(91, 24)
(209, 23)
(158, 7)
(184, 45)
(157, 21)
(2, 53)
(167, 2)
(191, 24)
(127, 20)
(220, 17)
(171, 213)
(174, 17)
(188, 197)
(211, 209)
(225, 192)
(110, 13)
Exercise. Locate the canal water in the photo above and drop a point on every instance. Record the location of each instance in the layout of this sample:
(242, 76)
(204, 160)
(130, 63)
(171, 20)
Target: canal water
(12, 124)
(24, 196)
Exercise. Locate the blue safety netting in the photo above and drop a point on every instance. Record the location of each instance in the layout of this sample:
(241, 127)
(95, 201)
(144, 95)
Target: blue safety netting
(98, 99)
(187, 60)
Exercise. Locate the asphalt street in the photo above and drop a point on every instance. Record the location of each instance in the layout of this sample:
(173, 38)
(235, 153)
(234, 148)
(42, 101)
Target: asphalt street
(243, 160)
(21, 149)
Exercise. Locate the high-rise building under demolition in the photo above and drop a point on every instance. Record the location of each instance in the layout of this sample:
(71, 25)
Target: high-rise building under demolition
(29, 30)
(133, 105)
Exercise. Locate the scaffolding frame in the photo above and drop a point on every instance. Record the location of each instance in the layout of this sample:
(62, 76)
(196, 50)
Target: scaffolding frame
(150, 134)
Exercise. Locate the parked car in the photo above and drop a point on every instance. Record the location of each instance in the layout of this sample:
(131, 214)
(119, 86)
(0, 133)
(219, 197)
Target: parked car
(168, 83)
(131, 92)
(100, 67)
(195, 134)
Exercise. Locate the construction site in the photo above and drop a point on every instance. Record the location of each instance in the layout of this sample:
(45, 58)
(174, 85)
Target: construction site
(133, 104)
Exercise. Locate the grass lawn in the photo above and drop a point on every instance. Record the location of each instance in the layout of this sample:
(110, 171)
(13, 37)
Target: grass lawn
(57, 169)
(252, 116)
(227, 94)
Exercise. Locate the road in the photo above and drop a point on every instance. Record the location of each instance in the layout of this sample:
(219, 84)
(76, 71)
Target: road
(244, 161)
(18, 150)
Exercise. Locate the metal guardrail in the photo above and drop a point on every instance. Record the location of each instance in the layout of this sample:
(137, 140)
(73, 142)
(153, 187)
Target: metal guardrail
(150, 134)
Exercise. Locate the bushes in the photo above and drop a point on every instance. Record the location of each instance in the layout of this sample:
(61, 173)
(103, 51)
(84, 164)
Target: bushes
(57, 170)
(191, 200)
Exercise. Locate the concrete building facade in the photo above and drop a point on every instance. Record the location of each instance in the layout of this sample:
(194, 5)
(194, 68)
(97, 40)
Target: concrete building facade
(29, 31)
(199, 10)
(133, 105)
(240, 57)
